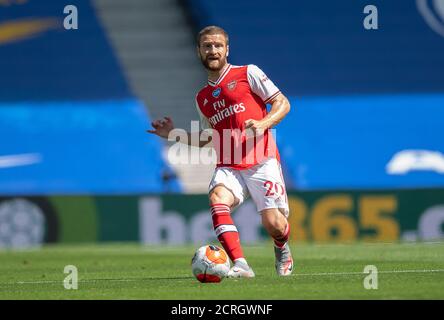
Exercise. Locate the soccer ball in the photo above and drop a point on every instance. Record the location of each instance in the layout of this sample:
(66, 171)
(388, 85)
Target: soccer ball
(210, 264)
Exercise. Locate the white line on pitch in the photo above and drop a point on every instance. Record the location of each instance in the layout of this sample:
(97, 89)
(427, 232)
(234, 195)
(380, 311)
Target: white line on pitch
(356, 273)
(294, 275)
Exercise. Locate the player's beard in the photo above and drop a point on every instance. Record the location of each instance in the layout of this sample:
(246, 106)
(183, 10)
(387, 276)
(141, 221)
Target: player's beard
(206, 64)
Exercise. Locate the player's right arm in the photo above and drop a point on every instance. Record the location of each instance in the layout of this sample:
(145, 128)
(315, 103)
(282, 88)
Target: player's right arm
(164, 127)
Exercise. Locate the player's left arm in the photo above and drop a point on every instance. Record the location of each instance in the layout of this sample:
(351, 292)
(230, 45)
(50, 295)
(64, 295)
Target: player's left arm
(263, 87)
(280, 107)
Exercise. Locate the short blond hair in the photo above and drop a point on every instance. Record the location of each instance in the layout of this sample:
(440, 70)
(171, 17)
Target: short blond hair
(211, 30)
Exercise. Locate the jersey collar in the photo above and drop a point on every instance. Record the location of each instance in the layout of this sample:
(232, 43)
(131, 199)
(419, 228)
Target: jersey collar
(221, 77)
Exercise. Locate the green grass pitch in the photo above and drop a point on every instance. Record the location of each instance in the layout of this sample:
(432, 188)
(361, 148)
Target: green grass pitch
(131, 271)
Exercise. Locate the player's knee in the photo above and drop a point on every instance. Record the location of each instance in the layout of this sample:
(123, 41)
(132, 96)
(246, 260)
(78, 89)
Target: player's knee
(274, 223)
(219, 195)
(216, 197)
(277, 230)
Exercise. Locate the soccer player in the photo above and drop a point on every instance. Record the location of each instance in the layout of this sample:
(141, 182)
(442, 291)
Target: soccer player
(233, 106)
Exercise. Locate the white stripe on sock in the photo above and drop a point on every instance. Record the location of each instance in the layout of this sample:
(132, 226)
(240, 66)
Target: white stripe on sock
(225, 228)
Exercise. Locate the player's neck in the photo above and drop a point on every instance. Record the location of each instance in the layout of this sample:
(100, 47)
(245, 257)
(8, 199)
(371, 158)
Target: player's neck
(214, 75)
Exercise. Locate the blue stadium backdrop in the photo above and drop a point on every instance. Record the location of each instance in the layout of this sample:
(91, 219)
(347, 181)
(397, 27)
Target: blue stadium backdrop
(69, 123)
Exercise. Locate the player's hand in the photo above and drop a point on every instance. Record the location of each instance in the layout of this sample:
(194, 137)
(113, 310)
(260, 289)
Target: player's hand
(256, 126)
(162, 127)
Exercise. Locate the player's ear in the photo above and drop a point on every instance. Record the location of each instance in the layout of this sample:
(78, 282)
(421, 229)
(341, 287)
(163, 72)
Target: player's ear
(228, 49)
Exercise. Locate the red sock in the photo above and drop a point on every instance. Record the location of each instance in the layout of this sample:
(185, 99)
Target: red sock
(282, 240)
(226, 231)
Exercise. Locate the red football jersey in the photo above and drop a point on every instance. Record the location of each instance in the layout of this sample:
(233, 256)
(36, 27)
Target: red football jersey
(240, 93)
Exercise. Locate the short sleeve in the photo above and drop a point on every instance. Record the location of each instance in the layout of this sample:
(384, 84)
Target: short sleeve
(204, 124)
(260, 84)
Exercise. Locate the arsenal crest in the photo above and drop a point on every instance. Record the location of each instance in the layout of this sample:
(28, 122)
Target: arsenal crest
(232, 85)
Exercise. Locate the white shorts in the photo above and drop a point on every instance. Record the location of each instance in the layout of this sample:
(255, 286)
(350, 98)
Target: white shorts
(263, 182)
